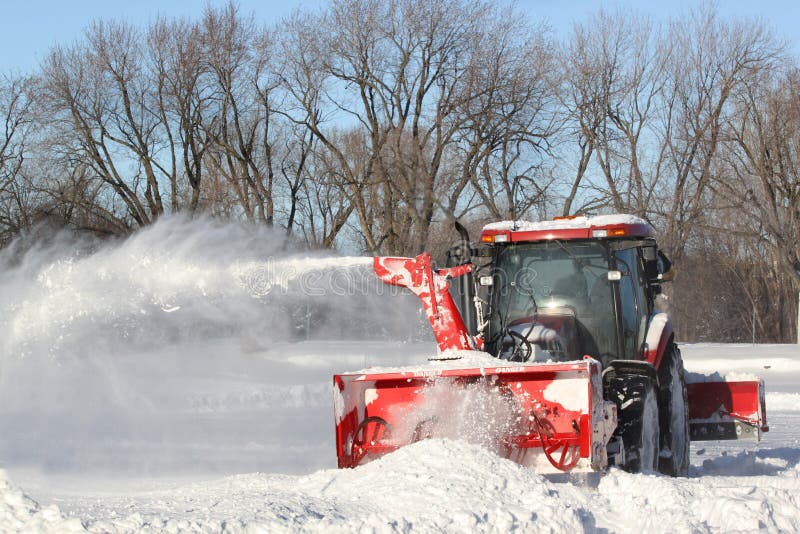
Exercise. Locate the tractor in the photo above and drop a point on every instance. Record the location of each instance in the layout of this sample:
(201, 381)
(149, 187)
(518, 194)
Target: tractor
(551, 351)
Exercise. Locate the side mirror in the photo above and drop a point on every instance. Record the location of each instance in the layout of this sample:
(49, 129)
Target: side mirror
(650, 256)
(665, 268)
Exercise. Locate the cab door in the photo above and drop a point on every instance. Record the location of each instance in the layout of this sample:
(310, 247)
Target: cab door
(633, 304)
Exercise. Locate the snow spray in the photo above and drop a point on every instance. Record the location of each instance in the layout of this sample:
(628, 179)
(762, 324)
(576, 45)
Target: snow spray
(192, 345)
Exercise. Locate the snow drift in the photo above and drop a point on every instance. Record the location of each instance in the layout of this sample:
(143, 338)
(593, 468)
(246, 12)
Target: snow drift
(447, 486)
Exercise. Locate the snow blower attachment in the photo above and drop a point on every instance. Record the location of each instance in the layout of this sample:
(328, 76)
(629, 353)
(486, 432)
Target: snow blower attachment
(568, 365)
(524, 412)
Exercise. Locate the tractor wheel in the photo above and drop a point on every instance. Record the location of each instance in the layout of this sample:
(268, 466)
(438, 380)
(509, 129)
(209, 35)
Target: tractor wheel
(674, 416)
(637, 412)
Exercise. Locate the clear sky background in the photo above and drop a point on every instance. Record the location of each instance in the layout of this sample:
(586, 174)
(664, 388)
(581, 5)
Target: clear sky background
(31, 27)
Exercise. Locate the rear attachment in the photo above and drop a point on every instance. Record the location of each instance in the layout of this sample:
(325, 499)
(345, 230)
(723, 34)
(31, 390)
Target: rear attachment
(720, 410)
(534, 414)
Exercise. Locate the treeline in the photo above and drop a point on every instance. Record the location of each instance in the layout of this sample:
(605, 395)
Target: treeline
(371, 125)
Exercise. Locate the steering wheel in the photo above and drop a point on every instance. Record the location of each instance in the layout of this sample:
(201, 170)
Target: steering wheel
(522, 349)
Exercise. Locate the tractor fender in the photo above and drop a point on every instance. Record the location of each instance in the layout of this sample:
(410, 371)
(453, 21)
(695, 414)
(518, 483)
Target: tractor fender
(620, 368)
(659, 337)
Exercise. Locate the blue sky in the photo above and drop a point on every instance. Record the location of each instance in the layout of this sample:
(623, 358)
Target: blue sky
(31, 27)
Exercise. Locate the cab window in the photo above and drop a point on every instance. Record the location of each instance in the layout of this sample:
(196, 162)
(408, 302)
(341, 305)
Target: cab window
(633, 301)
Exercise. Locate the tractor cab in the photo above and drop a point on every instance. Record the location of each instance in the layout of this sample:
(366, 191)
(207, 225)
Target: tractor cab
(559, 290)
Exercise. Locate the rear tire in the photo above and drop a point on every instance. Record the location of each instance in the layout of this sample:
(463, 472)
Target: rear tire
(674, 416)
(637, 421)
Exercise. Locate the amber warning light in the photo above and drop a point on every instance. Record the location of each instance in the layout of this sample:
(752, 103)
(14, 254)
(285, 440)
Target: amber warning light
(496, 238)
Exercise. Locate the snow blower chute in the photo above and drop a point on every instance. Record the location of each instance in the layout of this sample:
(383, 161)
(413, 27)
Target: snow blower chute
(566, 363)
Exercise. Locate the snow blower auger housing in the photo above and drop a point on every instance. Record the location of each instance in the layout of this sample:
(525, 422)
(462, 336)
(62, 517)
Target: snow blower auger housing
(554, 356)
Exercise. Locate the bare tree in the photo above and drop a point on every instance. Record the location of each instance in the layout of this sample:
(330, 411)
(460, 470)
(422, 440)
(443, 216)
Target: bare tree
(613, 80)
(712, 59)
(323, 200)
(17, 115)
(181, 101)
(764, 163)
(102, 119)
(426, 84)
(237, 55)
(506, 118)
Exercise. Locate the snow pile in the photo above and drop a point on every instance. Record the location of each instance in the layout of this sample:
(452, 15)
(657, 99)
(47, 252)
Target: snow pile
(434, 485)
(445, 485)
(20, 513)
(451, 486)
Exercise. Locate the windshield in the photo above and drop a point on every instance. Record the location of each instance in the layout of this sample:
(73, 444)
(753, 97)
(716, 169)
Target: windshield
(553, 291)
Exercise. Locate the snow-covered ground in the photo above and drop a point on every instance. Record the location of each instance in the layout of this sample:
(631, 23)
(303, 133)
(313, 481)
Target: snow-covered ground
(148, 386)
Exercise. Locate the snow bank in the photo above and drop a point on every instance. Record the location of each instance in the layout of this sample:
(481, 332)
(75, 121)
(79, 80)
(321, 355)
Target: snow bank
(451, 486)
(431, 486)
(445, 485)
(783, 402)
(20, 513)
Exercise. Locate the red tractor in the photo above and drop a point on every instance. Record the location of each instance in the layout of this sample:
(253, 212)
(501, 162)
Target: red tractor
(557, 357)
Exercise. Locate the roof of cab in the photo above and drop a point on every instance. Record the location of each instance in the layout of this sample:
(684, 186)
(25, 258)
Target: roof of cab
(566, 228)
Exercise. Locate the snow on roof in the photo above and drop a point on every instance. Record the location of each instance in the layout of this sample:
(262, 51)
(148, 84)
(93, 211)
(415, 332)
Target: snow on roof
(565, 224)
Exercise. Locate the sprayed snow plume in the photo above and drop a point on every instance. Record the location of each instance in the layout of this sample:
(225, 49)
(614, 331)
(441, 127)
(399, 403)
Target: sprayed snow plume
(109, 347)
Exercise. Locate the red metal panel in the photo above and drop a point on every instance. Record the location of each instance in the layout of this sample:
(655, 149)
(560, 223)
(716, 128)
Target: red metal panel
(655, 354)
(715, 404)
(515, 410)
(431, 287)
(576, 232)
(545, 235)
(741, 400)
